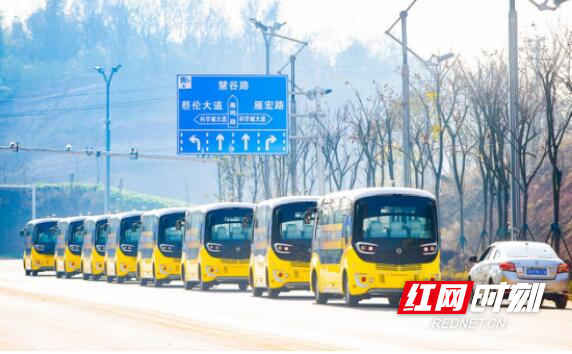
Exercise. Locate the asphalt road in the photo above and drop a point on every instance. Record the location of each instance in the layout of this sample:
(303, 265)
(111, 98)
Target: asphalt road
(57, 314)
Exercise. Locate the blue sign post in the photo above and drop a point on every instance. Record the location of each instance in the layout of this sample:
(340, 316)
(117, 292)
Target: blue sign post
(232, 114)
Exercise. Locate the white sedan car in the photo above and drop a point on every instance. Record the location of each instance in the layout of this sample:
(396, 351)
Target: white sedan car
(523, 262)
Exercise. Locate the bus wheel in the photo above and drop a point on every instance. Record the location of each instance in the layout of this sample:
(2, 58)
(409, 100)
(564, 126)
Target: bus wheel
(186, 284)
(273, 293)
(27, 272)
(318, 296)
(156, 282)
(120, 279)
(85, 276)
(67, 274)
(394, 300)
(203, 285)
(349, 299)
(34, 273)
(242, 286)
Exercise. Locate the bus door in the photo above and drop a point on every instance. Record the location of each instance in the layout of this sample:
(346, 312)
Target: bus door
(194, 225)
(27, 246)
(260, 243)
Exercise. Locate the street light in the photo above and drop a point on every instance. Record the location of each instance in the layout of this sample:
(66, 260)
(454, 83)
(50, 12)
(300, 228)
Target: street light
(514, 107)
(268, 32)
(434, 60)
(107, 80)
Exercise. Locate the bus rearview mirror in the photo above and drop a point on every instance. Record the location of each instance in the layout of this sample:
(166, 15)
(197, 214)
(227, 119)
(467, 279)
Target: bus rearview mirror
(135, 226)
(246, 221)
(179, 225)
(309, 215)
(22, 232)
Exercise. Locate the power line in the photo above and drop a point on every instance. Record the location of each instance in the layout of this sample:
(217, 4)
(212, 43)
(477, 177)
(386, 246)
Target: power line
(45, 112)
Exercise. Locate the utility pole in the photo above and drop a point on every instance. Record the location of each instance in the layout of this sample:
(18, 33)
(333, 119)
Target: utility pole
(33, 200)
(405, 103)
(107, 133)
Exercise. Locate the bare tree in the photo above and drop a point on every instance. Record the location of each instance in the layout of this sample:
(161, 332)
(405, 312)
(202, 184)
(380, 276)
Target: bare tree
(554, 64)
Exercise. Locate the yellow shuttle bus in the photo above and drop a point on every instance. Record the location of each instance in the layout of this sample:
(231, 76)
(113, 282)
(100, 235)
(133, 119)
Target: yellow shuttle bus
(216, 245)
(120, 258)
(281, 246)
(39, 245)
(67, 258)
(159, 254)
(368, 242)
(93, 249)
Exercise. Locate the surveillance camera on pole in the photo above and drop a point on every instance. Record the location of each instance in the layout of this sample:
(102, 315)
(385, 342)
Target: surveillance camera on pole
(14, 146)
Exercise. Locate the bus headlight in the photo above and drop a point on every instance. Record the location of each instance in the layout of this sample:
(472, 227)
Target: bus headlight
(429, 249)
(366, 247)
(214, 247)
(282, 247)
(280, 276)
(211, 271)
(362, 280)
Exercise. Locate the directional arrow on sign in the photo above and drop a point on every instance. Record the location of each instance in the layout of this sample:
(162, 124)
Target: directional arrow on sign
(193, 139)
(270, 140)
(245, 138)
(220, 139)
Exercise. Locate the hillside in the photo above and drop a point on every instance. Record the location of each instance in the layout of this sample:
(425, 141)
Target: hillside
(63, 200)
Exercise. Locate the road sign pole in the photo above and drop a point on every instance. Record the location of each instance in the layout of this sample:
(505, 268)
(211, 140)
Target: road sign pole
(405, 97)
(293, 125)
(265, 160)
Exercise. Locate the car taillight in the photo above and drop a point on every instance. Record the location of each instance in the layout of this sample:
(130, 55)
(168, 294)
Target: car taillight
(429, 248)
(563, 268)
(214, 247)
(366, 248)
(507, 266)
(282, 247)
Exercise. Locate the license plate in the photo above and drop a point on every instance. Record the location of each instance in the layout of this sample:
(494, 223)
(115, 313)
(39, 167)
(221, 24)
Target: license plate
(535, 271)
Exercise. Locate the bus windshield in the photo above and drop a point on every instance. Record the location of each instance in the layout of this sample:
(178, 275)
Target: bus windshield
(396, 217)
(128, 236)
(44, 235)
(289, 221)
(170, 239)
(101, 231)
(226, 225)
(76, 233)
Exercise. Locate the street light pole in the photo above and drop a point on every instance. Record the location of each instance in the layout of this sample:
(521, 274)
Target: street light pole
(107, 80)
(267, 33)
(405, 98)
(513, 112)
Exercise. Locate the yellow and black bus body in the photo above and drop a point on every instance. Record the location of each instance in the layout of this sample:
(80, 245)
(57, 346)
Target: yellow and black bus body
(160, 243)
(67, 257)
(39, 245)
(368, 242)
(281, 245)
(216, 245)
(120, 260)
(93, 248)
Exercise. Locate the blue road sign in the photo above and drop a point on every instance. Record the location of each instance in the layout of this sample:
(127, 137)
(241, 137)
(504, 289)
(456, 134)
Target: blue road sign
(232, 114)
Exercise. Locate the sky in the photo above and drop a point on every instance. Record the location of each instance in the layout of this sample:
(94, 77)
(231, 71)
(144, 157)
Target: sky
(465, 27)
